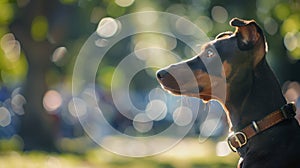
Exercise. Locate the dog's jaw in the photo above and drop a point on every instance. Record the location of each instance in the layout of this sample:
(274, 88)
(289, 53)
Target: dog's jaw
(204, 94)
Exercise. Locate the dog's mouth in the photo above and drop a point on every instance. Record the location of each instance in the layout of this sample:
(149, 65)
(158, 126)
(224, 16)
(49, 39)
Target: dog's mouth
(177, 91)
(197, 91)
(199, 85)
(183, 91)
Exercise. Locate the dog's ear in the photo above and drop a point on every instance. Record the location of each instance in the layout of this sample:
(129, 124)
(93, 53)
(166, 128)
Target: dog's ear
(248, 32)
(224, 34)
(250, 36)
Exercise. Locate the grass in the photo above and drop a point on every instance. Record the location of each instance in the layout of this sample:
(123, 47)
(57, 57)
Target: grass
(187, 154)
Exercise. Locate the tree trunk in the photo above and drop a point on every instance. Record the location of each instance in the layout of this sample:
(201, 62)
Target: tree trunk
(36, 128)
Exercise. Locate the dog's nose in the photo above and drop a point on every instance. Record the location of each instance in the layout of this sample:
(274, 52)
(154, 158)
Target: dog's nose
(161, 74)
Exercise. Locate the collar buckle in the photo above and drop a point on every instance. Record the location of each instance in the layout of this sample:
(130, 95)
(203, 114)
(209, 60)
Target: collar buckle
(288, 111)
(237, 140)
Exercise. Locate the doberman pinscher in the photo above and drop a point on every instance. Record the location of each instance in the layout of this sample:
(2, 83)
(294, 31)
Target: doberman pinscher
(264, 130)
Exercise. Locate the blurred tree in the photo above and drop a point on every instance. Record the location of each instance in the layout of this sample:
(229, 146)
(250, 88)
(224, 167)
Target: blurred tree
(40, 26)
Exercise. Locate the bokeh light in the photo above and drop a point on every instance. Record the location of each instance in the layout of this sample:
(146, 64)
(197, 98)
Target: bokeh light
(219, 14)
(5, 117)
(147, 18)
(207, 127)
(270, 26)
(17, 103)
(39, 28)
(291, 91)
(124, 3)
(7, 12)
(157, 93)
(13, 66)
(142, 123)
(156, 110)
(107, 27)
(181, 27)
(53, 162)
(114, 10)
(11, 47)
(282, 11)
(204, 23)
(59, 54)
(101, 42)
(79, 110)
(52, 100)
(177, 9)
(183, 116)
(291, 40)
(222, 149)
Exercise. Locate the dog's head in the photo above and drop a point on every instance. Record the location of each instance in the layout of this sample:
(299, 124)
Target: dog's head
(230, 57)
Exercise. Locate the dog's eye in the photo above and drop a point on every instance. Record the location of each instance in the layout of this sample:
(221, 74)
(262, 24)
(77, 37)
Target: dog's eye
(210, 53)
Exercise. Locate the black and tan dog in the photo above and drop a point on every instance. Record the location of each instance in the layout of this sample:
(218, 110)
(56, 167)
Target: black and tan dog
(264, 130)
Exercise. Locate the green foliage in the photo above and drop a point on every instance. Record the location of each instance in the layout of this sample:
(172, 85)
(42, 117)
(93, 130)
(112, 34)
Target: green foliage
(39, 28)
(68, 2)
(6, 12)
(115, 10)
(12, 144)
(13, 67)
(13, 64)
(282, 11)
(101, 158)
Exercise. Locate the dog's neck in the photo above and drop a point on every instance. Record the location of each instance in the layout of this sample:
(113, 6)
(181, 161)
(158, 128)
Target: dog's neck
(260, 96)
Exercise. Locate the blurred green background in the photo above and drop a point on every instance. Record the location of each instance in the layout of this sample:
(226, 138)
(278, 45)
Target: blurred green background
(39, 43)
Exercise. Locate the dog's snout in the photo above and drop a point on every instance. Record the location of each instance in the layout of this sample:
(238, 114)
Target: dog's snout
(161, 74)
